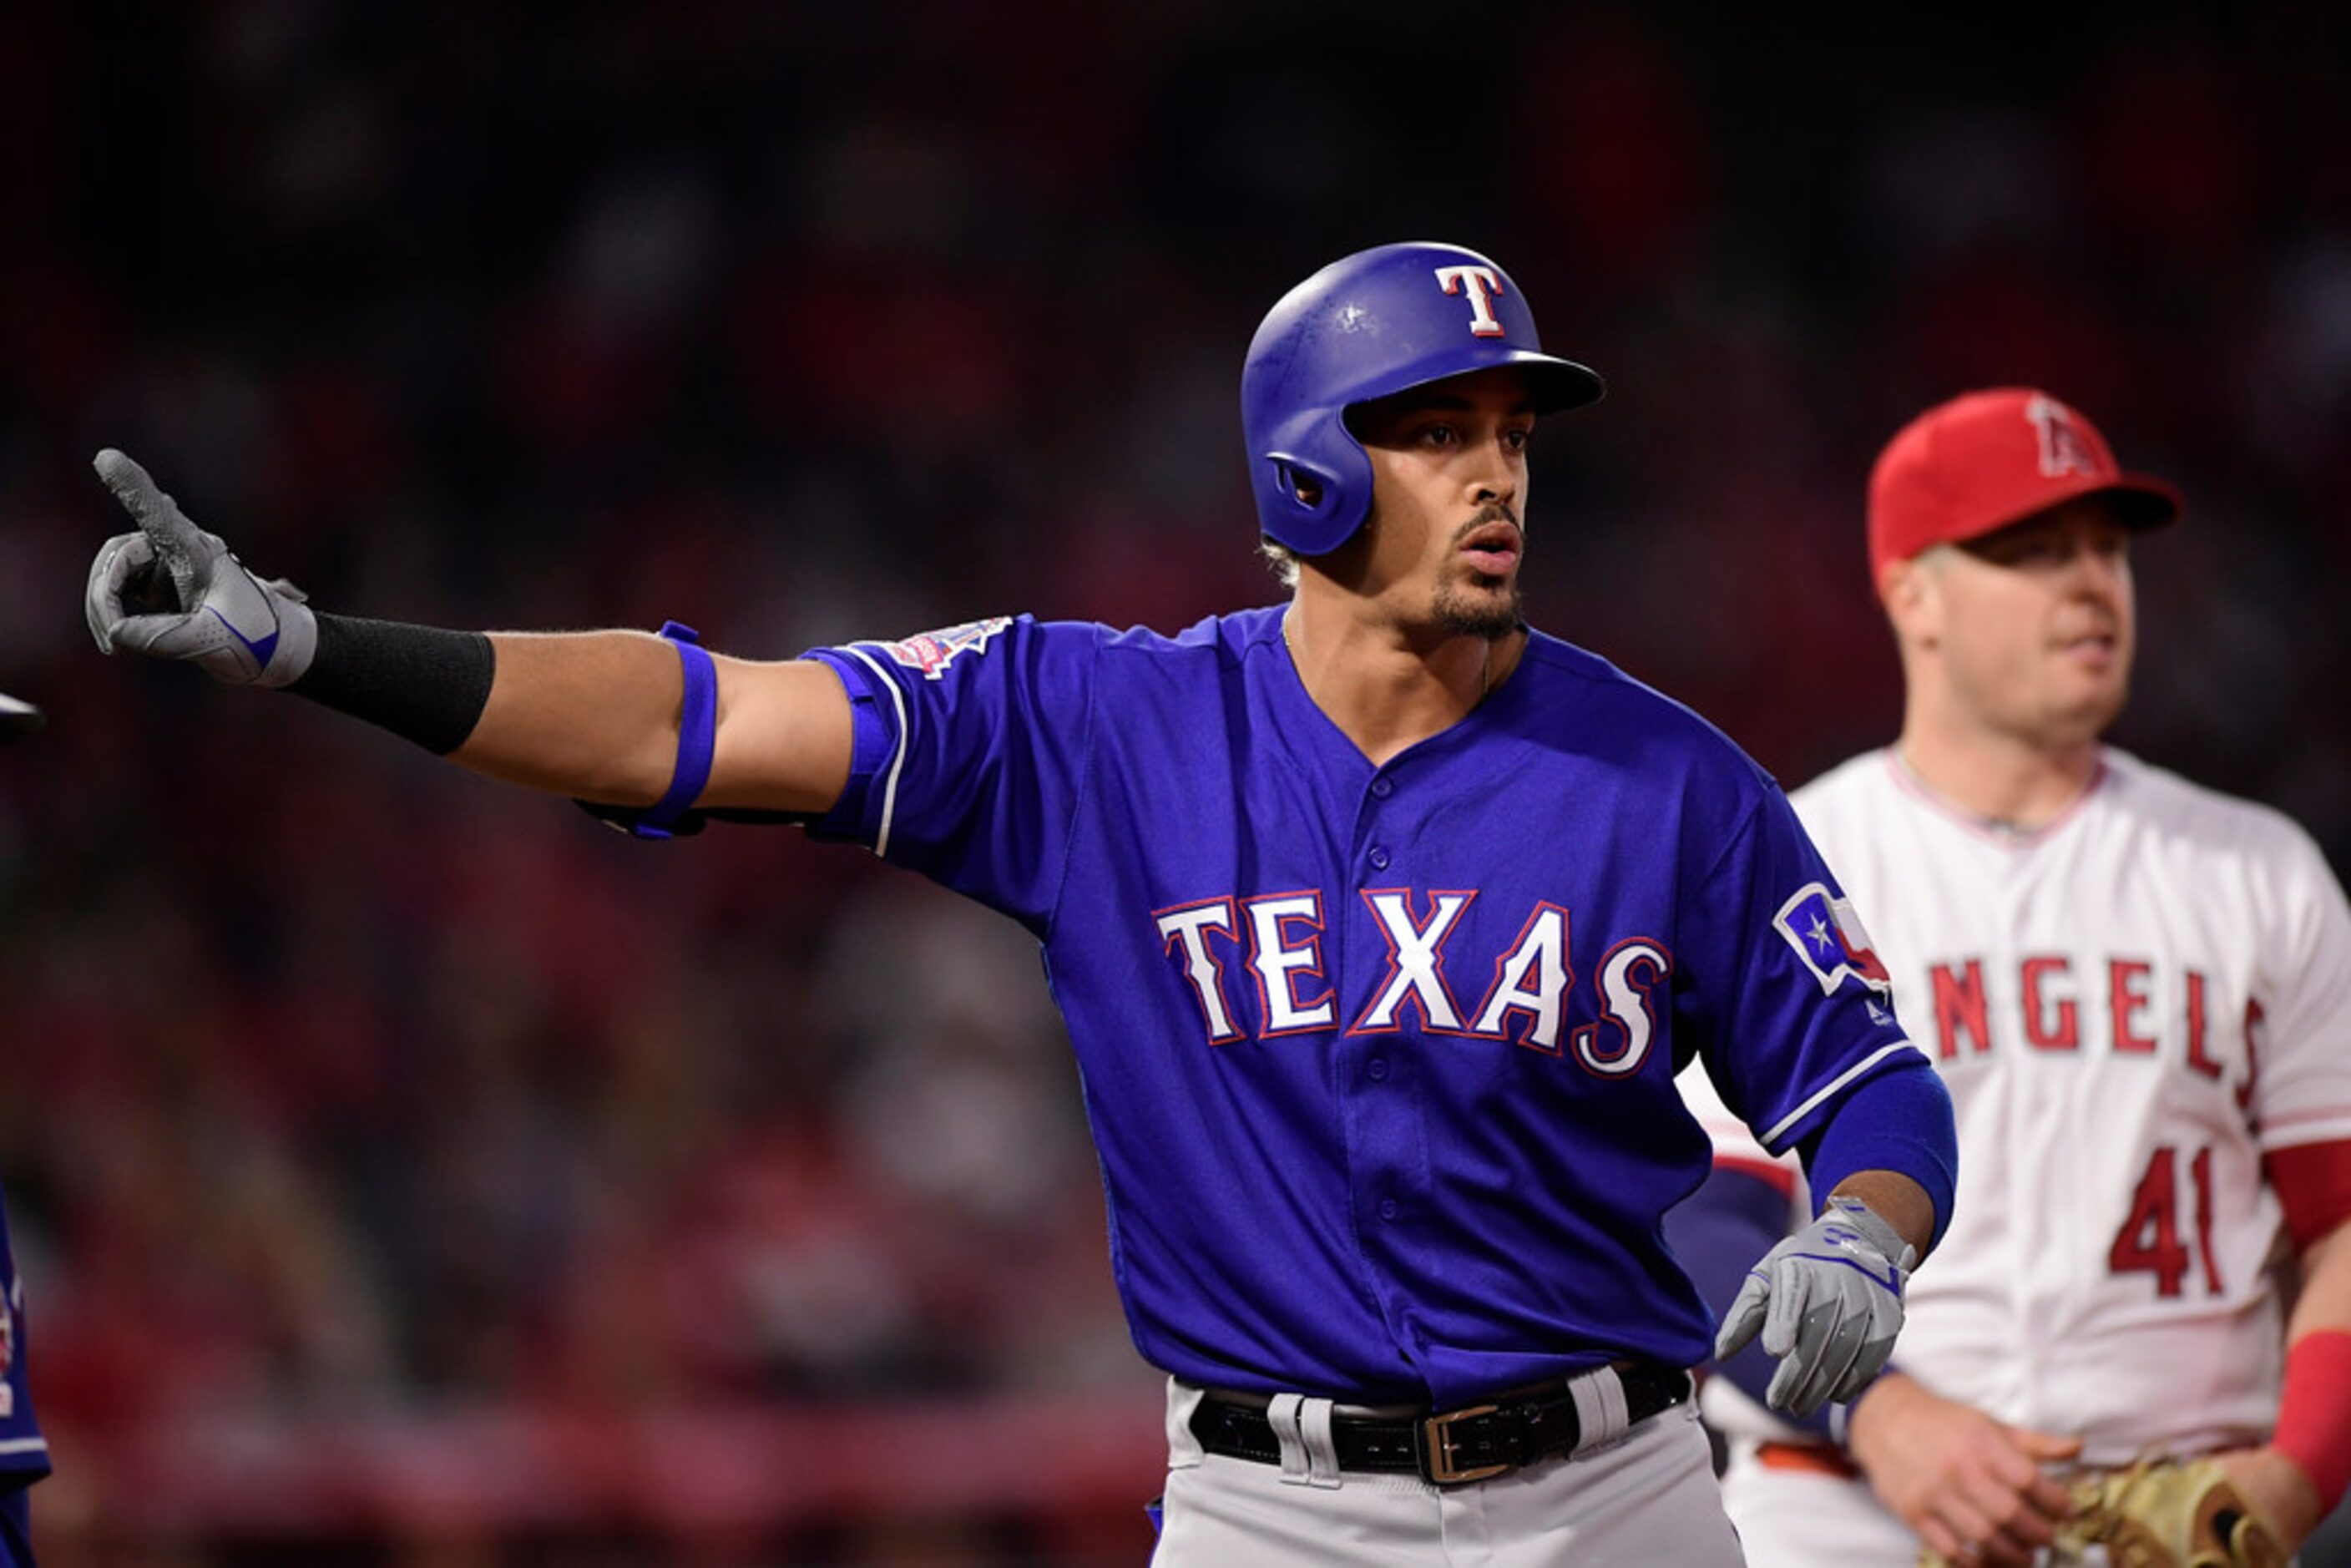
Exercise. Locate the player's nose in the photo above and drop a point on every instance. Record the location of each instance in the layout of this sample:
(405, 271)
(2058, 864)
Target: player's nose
(2102, 573)
(1494, 477)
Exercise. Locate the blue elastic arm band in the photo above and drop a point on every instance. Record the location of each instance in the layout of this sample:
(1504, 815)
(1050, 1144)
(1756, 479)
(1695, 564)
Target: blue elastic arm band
(697, 734)
(1897, 1121)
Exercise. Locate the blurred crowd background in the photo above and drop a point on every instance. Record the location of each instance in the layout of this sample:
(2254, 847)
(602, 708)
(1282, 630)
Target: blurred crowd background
(347, 1094)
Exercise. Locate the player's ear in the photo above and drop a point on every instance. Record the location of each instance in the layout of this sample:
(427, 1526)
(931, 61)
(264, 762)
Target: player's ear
(1908, 590)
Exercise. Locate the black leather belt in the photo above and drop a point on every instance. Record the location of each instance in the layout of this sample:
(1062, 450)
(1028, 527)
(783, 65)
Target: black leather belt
(1449, 1447)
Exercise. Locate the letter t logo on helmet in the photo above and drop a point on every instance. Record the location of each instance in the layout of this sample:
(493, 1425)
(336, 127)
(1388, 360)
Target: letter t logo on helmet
(1370, 325)
(1481, 283)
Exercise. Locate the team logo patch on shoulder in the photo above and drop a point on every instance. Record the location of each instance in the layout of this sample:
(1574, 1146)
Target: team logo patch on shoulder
(933, 652)
(1828, 936)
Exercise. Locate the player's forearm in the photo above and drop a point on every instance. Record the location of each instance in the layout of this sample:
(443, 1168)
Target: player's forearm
(2323, 1303)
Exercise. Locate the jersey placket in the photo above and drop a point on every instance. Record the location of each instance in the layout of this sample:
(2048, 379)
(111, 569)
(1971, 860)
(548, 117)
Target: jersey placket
(2043, 1146)
(1379, 1072)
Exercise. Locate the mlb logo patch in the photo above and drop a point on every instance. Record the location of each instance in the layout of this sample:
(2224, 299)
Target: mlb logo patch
(933, 652)
(1828, 936)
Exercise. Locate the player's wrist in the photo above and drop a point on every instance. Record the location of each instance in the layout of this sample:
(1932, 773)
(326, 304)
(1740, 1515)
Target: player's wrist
(2275, 1489)
(1873, 1227)
(298, 637)
(2291, 1503)
(1876, 1407)
(1840, 1416)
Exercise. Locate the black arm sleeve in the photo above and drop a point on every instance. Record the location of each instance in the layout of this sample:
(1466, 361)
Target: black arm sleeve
(421, 682)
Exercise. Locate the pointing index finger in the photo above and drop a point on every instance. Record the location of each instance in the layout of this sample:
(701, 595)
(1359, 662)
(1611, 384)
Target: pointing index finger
(158, 515)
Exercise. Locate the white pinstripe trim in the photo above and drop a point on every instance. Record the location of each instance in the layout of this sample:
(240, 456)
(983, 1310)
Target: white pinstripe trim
(890, 785)
(24, 1446)
(1772, 1139)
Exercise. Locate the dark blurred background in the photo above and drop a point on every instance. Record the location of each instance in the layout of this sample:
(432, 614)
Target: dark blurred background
(408, 1171)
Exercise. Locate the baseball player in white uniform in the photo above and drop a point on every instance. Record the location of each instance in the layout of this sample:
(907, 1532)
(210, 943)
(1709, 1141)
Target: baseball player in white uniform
(2138, 992)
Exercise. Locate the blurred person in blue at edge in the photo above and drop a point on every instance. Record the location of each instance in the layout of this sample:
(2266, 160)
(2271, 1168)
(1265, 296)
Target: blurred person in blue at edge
(24, 1452)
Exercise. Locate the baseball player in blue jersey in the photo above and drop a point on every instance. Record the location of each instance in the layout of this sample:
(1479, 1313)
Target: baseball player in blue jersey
(24, 1452)
(1381, 922)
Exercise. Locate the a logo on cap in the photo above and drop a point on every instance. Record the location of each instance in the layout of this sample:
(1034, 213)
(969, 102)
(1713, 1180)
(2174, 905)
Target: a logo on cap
(2063, 450)
(1481, 285)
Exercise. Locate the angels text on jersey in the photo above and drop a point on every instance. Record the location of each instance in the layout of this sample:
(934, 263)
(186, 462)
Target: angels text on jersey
(2129, 1008)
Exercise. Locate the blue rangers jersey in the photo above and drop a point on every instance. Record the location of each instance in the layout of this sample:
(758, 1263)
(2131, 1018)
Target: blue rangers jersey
(1379, 1061)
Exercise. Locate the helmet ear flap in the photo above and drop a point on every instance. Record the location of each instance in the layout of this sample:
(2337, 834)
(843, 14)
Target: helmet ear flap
(1315, 503)
(1308, 489)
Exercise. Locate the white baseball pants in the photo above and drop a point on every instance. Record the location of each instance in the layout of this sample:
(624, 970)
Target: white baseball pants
(1646, 1498)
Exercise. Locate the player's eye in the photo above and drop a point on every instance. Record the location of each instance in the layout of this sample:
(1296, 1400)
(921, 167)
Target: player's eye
(1516, 440)
(2022, 550)
(1439, 436)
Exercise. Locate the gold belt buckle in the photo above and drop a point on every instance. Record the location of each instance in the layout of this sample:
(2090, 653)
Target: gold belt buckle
(1436, 1443)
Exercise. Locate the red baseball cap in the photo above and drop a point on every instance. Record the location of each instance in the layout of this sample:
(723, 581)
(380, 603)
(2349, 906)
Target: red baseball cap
(1986, 459)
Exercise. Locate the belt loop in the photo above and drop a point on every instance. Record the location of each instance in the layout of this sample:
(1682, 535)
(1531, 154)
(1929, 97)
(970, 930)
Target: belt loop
(1184, 1451)
(1282, 1416)
(1321, 1448)
(1600, 1415)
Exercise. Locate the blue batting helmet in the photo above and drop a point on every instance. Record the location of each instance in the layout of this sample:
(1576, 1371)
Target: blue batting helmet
(1367, 326)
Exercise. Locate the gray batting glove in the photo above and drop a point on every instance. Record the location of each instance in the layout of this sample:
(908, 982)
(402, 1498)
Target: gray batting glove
(242, 630)
(1829, 1301)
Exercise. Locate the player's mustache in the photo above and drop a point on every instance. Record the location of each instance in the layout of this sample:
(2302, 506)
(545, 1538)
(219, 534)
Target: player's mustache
(1492, 512)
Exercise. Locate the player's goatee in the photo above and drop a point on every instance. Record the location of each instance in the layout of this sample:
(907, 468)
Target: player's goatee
(1470, 613)
(1459, 614)
(1477, 612)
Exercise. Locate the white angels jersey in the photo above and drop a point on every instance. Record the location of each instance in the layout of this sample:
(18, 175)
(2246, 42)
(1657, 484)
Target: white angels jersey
(2133, 1007)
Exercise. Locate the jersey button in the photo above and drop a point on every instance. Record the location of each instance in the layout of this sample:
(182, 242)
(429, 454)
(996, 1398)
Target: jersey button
(1379, 858)
(1383, 786)
(1387, 1208)
(1378, 1069)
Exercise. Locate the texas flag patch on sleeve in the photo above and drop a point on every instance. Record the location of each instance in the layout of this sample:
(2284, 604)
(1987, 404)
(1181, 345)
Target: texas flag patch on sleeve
(1828, 936)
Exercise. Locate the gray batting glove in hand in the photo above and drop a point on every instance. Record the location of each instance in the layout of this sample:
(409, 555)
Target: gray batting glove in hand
(1829, 1301)
(200, 603)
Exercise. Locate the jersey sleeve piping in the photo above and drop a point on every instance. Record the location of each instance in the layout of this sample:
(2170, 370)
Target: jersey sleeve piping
(1772, 1140)
(898, 757)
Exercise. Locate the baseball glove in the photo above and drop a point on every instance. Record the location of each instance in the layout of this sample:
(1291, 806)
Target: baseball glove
(2160, 1513)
